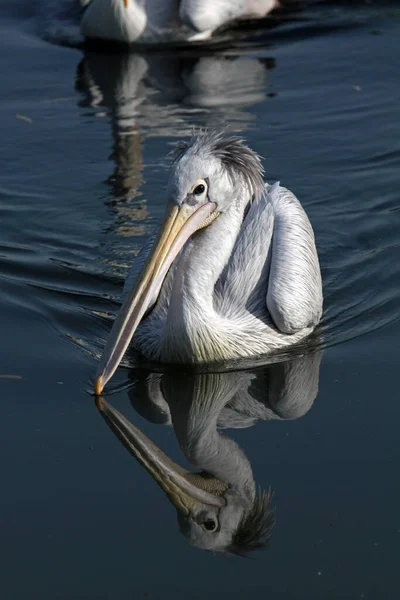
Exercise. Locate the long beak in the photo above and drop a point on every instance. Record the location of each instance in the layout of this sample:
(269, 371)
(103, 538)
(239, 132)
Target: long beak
(176, 482)
(126, 3)
(178, 225)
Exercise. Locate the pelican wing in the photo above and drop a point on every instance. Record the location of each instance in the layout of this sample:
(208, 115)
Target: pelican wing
(274, 265)
(243, 283)
(294, 295)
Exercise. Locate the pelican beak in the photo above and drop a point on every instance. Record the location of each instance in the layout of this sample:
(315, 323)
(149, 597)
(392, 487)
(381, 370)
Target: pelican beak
(187, 491)
(126, 3)
(179, 223)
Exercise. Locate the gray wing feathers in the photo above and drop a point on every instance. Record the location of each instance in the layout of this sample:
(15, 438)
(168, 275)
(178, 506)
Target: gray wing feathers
(244, 281)
(294, 297)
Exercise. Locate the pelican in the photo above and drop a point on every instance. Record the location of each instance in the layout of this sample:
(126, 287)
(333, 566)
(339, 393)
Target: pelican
(233, 272)
(149, 21)
(219, 507)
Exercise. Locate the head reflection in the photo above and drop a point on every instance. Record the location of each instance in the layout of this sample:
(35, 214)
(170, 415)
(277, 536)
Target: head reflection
(219, 507)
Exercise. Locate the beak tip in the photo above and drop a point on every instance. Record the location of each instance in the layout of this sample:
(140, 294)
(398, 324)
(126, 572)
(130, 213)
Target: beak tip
(98, 386)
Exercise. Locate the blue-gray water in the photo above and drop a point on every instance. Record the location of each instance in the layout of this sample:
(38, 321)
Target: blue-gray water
(83, 170)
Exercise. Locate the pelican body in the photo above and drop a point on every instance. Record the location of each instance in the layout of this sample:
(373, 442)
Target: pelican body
(233, 272)
(154, 21)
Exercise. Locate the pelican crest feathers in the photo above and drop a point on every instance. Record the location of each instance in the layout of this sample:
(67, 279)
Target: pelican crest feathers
(255, 528)
(235, 156)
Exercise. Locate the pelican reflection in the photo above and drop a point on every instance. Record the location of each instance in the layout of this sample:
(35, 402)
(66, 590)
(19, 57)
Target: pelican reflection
(219, 507)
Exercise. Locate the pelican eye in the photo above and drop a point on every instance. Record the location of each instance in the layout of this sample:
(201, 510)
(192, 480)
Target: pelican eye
(199, 189)
(210, 525)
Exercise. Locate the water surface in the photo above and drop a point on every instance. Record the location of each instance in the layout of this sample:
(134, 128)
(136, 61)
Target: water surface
(85, 136)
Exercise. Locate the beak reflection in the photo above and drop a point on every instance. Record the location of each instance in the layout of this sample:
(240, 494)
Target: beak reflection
(179, 223)
(189, 492)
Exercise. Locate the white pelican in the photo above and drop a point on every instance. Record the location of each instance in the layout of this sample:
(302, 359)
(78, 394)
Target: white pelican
(152, 21)
(219, 507)
(233, 272)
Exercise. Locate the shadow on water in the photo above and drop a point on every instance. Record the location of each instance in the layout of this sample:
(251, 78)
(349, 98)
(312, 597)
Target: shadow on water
(219, 507)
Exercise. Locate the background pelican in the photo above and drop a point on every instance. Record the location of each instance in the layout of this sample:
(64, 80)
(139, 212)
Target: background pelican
(218, 507)
(152, 21)
(226, 277)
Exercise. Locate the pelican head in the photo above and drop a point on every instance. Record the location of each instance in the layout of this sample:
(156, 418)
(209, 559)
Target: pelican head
(211, 175)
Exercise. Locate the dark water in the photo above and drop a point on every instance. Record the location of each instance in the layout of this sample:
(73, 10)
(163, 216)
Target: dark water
(84, 140)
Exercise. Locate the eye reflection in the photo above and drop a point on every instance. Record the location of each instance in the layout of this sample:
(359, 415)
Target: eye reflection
(210, 525)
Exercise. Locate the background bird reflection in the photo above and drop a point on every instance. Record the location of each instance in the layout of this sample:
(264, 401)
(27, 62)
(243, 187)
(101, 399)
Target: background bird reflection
(143, 96)
(197, 406)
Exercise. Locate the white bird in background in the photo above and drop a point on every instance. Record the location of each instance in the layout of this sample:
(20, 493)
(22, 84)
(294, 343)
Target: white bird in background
(233, 272)
(152, 21)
